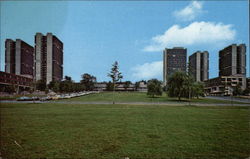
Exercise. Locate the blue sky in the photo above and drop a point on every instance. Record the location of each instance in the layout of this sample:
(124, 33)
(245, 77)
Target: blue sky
(134, 33)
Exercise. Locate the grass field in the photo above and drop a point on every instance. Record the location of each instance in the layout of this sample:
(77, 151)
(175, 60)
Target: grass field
(118, 131)
(138, 97)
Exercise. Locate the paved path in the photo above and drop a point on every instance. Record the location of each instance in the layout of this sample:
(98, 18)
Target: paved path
(133, 103)
(228, 98)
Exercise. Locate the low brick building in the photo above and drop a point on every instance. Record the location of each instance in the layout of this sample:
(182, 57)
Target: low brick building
(224, 85)
(20, 82)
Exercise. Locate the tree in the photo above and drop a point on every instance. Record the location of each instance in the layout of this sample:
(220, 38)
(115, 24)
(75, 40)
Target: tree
(67, 78)
(154, 87)
(246, 91)
(88, 81)
(41, 85)
(78, 87)
(188, 87)
(109, 86)
(237, 90)
(66, 85)
(115, 74)
(127, 84)
(9, 89)
(197, 89)
(177, 85)
(54, 85)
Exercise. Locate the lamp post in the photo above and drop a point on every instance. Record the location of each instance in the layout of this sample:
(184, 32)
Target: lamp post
(113, 92)
(189, 91)
(189, 82)
(231, 92)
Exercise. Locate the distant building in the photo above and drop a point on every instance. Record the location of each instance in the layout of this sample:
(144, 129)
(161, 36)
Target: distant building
(48, 58)
(143, 87)
(232, 60)
(100, 86)
(174, 60)
(199, 65)
(121, 86)
(19, 58)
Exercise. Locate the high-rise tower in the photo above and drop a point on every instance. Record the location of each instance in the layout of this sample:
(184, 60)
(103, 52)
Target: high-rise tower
(232, 60)
(174, 60)
(199, 65)
(48, 58)
(19, 58)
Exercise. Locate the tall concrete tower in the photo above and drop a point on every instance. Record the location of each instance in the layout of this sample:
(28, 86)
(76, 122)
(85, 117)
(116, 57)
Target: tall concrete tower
(10, 56)
(19, 58)
(48, 58)
(199, 65)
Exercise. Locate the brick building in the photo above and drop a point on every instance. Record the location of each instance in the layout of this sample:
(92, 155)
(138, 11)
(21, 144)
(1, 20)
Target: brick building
(10, 79)
(19, 58)
(174, 60)
(224, 85)
(232, 60)
(232, 71)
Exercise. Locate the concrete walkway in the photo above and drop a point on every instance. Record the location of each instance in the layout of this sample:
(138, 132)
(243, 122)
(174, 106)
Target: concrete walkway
(228, 98)
(132, 103)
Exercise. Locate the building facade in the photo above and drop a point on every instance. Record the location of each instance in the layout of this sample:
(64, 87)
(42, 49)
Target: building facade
(10, 53)
(232, 60)
(224, 85)
(17, 81)
(248, 83)
(121, 86)
(48, 58)
(174, 60)
(198, 66)
(19, 58)
(232, 71)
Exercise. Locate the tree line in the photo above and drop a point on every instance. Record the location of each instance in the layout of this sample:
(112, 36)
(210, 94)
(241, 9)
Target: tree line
(67, 85)
(179, 84)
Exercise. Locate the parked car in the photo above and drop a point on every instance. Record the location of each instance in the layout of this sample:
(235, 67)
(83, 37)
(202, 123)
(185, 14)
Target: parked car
(45, 98)
(54, 97)
(35, 98)
(24, 98)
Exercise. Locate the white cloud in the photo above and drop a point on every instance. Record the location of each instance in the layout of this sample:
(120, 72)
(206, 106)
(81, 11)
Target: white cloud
(190, 12)
(194, 34)
(147, 70)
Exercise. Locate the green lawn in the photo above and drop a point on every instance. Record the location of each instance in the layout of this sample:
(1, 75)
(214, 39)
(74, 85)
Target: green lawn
(138, 97)
(117, 131)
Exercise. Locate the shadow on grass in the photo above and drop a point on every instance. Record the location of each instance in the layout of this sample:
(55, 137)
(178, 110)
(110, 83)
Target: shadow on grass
(177, 100)
(155, 97)
(166, 99)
